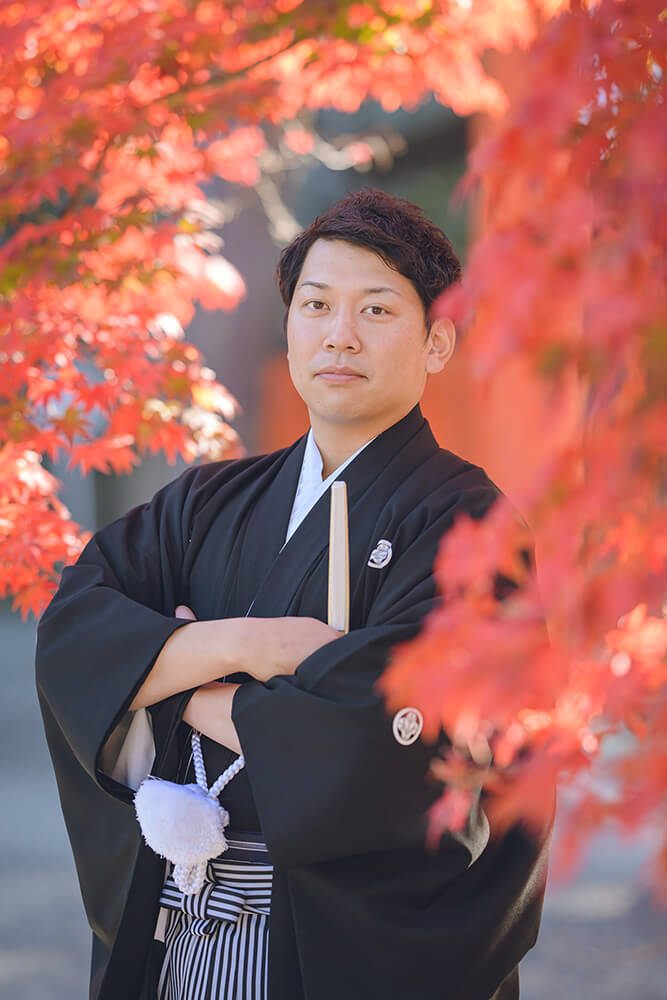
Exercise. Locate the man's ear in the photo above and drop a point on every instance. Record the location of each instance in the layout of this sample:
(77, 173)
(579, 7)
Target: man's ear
(442, 340)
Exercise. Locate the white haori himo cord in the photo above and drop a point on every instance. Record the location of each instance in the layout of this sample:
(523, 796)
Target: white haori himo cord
(185, 823)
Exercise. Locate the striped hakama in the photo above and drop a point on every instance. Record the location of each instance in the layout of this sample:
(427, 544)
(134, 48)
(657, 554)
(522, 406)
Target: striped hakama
(216, 940)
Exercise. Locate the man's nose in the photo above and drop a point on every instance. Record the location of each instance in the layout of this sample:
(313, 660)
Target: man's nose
(341, 333)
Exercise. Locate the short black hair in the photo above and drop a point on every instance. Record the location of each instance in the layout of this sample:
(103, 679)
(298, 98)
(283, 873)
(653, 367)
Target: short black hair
(393, 228)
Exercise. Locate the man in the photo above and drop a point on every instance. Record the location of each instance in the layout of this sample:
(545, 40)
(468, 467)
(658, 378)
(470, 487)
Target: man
(333, 795)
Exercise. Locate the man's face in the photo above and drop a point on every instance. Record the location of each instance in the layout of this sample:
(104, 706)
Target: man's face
(353, 313)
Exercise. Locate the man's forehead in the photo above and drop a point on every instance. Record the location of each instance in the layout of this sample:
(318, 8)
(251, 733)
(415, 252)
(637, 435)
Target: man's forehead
(330, 262)
(377, 290)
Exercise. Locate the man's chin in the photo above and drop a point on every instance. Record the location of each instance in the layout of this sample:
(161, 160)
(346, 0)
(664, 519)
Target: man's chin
(339, 413)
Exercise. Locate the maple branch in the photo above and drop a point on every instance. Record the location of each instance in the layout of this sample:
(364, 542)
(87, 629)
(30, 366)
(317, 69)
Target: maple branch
(78, 198)
(225, 78)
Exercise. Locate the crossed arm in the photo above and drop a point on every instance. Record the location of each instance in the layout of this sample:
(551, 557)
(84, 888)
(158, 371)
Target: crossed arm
(199, 653)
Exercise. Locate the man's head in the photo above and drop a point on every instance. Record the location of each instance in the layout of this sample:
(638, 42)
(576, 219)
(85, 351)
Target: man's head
(394, 229)
(358, 285)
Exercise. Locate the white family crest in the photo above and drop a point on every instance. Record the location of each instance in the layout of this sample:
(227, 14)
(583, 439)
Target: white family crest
(381, 554)
(407, 725)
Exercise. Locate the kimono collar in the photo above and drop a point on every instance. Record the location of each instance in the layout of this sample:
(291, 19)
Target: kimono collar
(311, 486)
(388, 460)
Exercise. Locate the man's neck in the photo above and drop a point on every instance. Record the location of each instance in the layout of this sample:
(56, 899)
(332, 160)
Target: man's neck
(336, 442)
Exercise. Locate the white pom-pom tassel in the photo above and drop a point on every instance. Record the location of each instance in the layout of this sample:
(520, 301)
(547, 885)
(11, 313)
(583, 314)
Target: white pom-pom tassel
(181, 822)
(185, 823)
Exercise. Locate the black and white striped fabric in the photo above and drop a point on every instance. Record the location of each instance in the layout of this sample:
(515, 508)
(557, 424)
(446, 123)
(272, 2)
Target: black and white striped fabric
(216, 941)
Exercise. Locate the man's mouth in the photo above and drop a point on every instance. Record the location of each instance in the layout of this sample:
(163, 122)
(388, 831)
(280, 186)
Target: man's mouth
(339, 375)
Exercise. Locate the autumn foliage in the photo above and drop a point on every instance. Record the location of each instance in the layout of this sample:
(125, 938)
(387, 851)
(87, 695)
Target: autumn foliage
(569, 273)
(113, 115)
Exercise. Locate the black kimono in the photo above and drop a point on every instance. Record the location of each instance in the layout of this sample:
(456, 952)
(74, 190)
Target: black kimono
(359, 908)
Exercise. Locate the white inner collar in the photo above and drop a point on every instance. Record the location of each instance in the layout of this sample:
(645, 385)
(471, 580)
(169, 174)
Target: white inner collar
(311, 486)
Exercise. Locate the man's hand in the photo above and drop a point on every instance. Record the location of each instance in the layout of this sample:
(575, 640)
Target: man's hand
(183, 611)
(279, 645)
(275, 646)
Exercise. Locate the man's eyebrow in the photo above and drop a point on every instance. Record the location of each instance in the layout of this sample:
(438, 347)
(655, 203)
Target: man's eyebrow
(366, 291)
(316, 284)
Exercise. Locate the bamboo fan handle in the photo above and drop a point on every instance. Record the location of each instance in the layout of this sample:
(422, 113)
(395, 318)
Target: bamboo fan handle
(339, 560)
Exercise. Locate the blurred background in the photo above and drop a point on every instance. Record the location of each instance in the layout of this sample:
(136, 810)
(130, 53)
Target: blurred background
(602, 937)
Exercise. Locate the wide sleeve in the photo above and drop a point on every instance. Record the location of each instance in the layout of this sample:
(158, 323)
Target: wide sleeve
(328, 776)
(104, 628)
